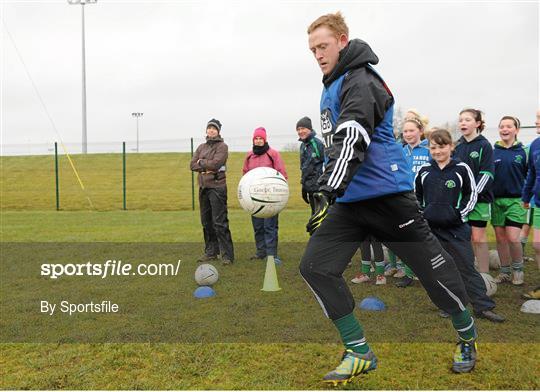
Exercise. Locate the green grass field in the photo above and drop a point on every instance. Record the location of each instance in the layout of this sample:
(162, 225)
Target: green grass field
(157, 182)
(241, 339)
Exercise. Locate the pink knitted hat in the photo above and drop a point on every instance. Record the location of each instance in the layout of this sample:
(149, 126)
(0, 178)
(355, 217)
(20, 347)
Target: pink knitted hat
(260, 132)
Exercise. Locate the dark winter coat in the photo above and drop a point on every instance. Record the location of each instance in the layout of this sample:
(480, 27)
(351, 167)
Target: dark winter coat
(311, 162)
(209, 161)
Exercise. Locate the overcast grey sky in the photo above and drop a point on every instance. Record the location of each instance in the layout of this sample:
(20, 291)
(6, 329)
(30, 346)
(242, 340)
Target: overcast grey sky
(247, 63)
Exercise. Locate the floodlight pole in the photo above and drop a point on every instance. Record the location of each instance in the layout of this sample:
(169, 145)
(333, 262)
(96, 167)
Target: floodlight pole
(137, 115)
(84, 123)
(84, 133)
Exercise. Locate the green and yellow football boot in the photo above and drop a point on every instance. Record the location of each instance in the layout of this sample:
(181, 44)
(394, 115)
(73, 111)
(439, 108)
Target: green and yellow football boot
(352, 364)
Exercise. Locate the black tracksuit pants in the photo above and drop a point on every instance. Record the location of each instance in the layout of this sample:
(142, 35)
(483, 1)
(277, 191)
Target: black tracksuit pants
(457, 241)
(215, 223)
(396, 221)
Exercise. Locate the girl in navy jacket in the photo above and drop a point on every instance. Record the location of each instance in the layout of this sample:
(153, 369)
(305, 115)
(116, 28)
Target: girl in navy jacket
(446, 191)
(508, 215)
(475, 150)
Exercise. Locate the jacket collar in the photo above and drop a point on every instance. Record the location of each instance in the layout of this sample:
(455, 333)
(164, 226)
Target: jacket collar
(216, 139)
(356, 54)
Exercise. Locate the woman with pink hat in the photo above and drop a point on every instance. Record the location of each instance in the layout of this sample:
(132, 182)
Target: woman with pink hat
(266, 230)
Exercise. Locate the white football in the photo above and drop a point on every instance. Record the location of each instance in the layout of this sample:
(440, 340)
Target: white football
(494, 262)
(263, 192)
(531, 306)
(206, 275)
(491, 284)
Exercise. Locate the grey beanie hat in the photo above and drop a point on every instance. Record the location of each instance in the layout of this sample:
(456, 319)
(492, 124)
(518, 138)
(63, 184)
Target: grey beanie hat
(304, 122)
(214, 123)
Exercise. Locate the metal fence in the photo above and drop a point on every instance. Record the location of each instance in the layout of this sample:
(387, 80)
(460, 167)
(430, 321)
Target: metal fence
(153, 181)
(119, 178)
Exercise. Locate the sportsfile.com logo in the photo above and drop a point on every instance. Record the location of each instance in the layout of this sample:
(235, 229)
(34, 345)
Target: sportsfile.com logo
(109, 268)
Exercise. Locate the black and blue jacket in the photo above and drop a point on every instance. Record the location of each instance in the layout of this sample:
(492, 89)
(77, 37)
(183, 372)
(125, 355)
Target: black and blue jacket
(446, 195)
(478, 155)
(510, 170)
(363, 161)
(311, 162)
(532, 183)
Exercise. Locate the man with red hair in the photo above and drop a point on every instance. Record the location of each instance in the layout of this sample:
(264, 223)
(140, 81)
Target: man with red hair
(366, 189)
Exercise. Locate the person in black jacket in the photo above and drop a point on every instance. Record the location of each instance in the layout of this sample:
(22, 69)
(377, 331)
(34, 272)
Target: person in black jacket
(365, 189)
(446, 191)
(476, 151)
(311, 159)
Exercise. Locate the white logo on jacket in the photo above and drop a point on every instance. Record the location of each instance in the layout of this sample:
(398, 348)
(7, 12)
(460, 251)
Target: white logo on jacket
(406, 224)
(326, 128)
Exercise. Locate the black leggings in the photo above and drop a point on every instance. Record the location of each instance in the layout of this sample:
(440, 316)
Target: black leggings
(372, 243)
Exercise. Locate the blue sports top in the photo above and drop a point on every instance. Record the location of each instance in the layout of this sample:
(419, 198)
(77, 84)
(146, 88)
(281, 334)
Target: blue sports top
(417, 156)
